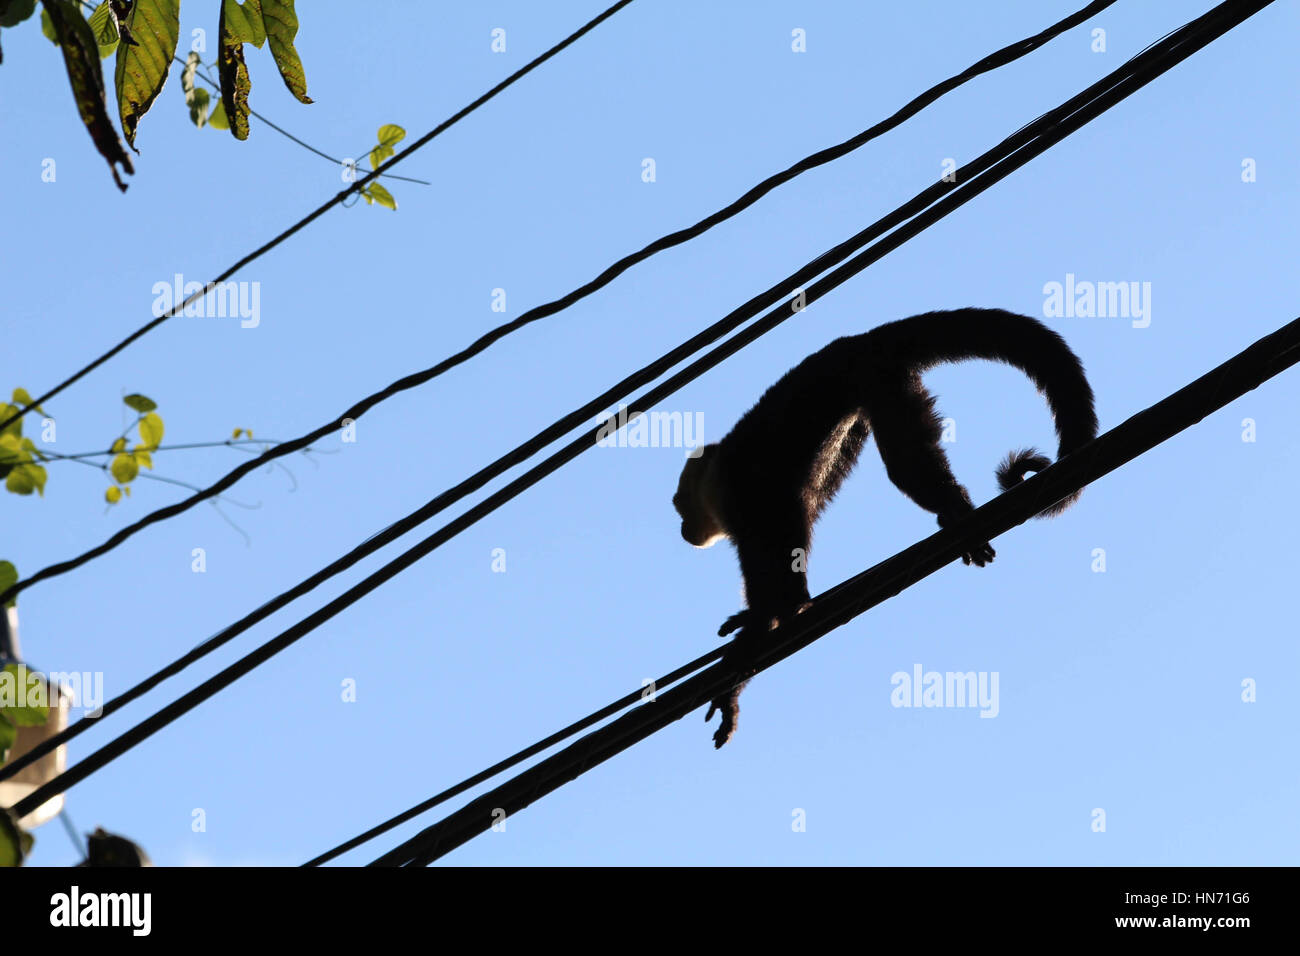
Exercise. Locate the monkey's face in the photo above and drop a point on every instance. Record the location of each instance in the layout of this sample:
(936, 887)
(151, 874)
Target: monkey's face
(696, 501)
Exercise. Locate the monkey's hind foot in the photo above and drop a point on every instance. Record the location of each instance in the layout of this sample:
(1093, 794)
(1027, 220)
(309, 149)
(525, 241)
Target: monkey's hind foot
(980, 555)
(729, 705)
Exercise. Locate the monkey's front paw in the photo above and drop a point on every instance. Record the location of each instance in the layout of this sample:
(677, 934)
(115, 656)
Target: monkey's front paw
(740, 619)
(980, 555)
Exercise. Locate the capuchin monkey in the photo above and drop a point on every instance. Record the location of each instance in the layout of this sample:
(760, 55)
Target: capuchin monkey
(765, 484)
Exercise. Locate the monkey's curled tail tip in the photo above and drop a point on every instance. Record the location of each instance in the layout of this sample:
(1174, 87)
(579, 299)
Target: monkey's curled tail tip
(1017, 464)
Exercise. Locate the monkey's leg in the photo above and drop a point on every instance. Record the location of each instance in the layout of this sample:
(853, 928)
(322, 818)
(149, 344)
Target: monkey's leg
(908, 436)
(776, 588)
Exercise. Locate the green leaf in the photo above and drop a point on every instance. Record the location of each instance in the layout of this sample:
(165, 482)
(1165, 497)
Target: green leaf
(142, 457)
(244, 21)
(375, 193)
(390, 134)
(379, 154)
(14, 12)
(11, 450)
(196, 98)
(119, 445)
(34, 709)
(36, 474)
(8, 578)
(103, 23)
(124, 469)
(140, 403)
(281, 24)
(142, 65)
(217, 120)
(81, 58)
(20, 481)
(151, 431)
(113, 495)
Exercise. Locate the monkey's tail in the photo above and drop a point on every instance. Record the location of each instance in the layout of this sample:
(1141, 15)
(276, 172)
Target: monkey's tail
(1022, 342)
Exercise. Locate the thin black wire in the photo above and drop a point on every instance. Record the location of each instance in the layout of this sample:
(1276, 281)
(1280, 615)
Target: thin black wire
(1062, 121)
(999, 58)
(609, 710)
(321, 210)
(576, 419)
(1265, 358)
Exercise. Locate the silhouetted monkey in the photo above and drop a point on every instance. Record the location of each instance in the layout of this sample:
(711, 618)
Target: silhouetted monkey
(764, 485)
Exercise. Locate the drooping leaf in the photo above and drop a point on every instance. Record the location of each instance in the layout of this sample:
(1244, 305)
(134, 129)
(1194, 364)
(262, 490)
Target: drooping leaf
(239, 25)
(375, 193)
(8, 578)
(151, 431)
(34, 709)
(14, 12)
(140, 403)
(379, 154)
(281, 24)
(103, 23)
(48, 28)
(142, 457)
(142, 65)
(196, 98)
(113, 495)
(124, 469)
(81, 58)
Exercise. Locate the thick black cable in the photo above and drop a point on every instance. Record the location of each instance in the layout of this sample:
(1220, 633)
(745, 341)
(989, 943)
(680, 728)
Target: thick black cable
(1267, 357)
(609, 710)
(999, 58)
(1064, 120)
(324, 208)
(575, 419)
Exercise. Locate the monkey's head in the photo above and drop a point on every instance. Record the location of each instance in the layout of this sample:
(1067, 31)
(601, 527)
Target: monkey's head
(697, 499)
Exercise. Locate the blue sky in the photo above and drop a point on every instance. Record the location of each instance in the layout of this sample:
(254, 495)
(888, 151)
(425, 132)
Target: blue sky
(1119, 690)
